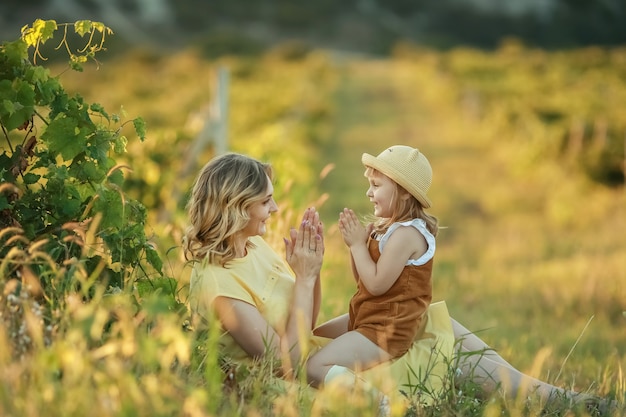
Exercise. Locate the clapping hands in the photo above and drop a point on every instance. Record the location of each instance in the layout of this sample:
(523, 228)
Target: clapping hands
(305, 246)
(351, 229)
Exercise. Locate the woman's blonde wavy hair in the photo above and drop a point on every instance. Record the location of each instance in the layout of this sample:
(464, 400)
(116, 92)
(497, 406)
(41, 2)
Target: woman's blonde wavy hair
(403, 209)
(218, 206)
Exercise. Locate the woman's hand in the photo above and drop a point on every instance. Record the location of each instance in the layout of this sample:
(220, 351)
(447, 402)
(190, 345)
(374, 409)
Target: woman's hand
(305, 248)
(352, 230)
(304, 252)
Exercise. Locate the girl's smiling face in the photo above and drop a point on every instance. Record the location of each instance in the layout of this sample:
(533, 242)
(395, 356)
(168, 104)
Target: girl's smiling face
(382, 192)
(259, 212)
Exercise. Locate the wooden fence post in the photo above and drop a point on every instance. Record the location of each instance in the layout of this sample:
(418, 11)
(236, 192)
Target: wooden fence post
(214, 130)
(220, 111)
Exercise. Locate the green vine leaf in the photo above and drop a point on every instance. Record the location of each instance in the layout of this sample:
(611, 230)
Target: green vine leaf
(18, 99)
(66, 199)
(116, 178)
(50, 90)
(63, 137)
(40, 32)
(140, 128)
(4, 203)
(14, 53)
(111, 203)
(86, 170)
(31, 178)
(82, 27)
(120, 144)
(11, 107)
(37, 75)
(97, 108)
(154, 259)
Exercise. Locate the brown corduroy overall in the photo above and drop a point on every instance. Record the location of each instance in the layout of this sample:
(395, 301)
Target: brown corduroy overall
(393, 319)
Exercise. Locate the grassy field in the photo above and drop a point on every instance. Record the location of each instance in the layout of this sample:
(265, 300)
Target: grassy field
(532, 255)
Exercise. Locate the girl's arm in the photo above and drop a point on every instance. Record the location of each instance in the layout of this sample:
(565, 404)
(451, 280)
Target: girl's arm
(333, 328)
(353, 267)
(403, 244)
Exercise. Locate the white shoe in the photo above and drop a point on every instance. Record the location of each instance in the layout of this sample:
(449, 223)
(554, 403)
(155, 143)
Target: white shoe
(384, 407)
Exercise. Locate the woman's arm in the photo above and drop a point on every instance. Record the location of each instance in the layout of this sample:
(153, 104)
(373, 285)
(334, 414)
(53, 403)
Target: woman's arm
(317, 293)
(310, 217)
(247, 326)
(317, 300)
(304, 253)
(244, 322)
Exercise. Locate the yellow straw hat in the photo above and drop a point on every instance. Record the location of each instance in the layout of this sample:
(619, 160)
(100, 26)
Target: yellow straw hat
(405, 165)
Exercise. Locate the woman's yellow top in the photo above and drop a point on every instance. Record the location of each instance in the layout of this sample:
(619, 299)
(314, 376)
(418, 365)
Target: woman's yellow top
(261, 278)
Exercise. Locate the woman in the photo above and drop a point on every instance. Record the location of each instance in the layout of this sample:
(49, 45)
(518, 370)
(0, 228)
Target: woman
(265, 308)
(238, 278)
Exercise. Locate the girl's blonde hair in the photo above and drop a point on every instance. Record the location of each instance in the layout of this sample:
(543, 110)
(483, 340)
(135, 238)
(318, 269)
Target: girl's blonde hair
(402, 209)
(218, 207)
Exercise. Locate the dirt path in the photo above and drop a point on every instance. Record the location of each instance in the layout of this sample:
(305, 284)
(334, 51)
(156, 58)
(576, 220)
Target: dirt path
(374, 111)
(382, 103)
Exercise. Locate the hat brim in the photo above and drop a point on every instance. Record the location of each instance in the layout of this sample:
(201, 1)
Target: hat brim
(390, 171)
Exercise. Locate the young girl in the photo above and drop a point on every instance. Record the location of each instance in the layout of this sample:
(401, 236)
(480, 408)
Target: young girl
(392, 262)
(391, 322)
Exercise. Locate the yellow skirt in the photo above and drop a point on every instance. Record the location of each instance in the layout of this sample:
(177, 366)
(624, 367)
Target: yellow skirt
(424, 371)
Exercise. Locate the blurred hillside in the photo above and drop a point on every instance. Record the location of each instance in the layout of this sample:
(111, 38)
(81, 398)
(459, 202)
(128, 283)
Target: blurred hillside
(371, 26)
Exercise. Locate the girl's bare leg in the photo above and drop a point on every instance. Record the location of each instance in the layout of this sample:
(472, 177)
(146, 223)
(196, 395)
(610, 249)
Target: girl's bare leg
(481, 364)
(350, 350)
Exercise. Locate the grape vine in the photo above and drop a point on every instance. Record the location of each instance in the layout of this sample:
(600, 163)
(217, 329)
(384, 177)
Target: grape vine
(64, 216)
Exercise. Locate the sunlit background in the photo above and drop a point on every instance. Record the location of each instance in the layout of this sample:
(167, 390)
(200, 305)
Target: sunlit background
(519, 105)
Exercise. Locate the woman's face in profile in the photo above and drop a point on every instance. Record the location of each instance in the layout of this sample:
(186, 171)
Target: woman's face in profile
(259, 212)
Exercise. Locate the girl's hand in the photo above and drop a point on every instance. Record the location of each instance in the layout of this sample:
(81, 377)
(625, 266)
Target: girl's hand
(305, 248)
(352, 230)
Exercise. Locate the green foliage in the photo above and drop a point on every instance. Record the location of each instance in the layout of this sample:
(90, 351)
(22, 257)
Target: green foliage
(61, 183)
